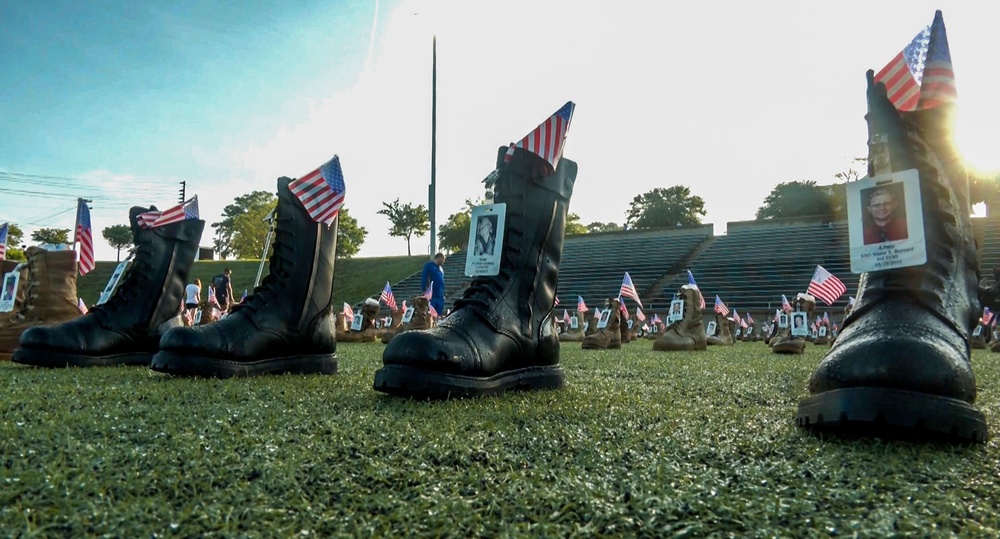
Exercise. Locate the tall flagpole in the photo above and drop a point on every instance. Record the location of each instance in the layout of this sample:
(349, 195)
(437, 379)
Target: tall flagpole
(432, 189)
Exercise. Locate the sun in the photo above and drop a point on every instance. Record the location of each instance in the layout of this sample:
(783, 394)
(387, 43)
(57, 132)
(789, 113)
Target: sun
(979, 143)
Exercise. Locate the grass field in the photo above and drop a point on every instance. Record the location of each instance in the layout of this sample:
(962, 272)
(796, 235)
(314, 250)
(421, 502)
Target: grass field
(640, 443)
(354, 278)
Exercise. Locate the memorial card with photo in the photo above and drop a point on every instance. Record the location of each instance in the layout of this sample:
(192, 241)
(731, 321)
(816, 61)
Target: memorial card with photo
(408, 315)
(978, 331)
(676, 310)
(739, 331)
(886, 222)
(8, 294)
(800, 326)
(356, 323)
(749, 330)
(814, 333)
(574, 322)
(782, 321)
(586, 326)
(822, 331)
(629, 323)
(485, 240)
(710, 328)
(113, 281)
(605, 318)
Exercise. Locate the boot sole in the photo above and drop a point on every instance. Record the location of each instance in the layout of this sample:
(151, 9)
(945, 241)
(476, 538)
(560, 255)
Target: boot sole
(60, 360)
(881, 412)
(207, 367)
(405, 381)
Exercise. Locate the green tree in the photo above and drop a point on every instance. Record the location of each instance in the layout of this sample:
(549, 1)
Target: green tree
(598, 226)
(796, 199)
(407, 220)
(573, 225)
(15, 238)
(350, 236)
(453, 235)
(118, 236)
(51, 235)
(242, 230)
(664, 207)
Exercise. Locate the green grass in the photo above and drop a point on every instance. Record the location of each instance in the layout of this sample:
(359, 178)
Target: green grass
(639, 444)
(356, 278)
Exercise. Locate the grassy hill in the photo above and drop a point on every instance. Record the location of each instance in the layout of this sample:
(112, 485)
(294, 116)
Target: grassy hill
(354, 278)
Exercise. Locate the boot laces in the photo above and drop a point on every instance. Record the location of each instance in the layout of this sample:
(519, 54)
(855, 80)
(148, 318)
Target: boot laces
(484, 291)
(279, 268)
(135, 280)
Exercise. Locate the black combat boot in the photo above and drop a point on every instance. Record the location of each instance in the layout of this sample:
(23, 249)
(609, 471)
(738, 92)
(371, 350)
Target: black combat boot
(287, 325)
(126, 330)
(900, 364)
(499, 336)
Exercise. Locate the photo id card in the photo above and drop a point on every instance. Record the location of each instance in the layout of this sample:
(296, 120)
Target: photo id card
(407, 315)
(357, 321)
(886, 222)
(822, 331)
(799, 326)
(485, 240)
(605, 318)
(978, 331)
(739, 331)
(749, 330)
(9, 292)
(630, 324)
(113, 281)
(782, 320)
(574, 322)
(710, 328)
(676, 311)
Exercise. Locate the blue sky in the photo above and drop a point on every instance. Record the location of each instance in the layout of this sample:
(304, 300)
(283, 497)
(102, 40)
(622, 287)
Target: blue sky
(121, 101)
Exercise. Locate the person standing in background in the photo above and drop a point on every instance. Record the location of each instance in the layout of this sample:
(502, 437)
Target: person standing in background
(433, 274)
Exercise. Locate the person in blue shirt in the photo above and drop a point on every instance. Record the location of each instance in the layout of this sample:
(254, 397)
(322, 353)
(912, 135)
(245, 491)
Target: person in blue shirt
(433, 273)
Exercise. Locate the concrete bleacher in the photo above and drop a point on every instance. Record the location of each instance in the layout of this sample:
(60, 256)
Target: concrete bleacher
(754, 263)
(593, 264)
(749, 267)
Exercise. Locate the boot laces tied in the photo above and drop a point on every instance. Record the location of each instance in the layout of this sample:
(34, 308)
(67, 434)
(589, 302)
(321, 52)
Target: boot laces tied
(135, 279)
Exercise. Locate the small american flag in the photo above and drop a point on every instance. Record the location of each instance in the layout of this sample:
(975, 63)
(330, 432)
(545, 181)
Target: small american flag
(3, 240)
(987, 316)
(81, 306)
(622, 308)
(85, 236)
(826, 318)
(628, 289)
(430, 290)
(546, 141)
(921, 75)
(321, 191)
(825, 286)
(785, 306)
(695, 285)
(211, 296)
(565, 316)
(403, 306)
(348, 311)
(639, 314)
(736, 317)
(432, 311)
(581, 307)
(720, 307)
(556, 302)
(387, 297)
(181, 212)
(749, 319)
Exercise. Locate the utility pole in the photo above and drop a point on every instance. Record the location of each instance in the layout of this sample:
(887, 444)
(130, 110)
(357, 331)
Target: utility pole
(183, 191)
(432, 189)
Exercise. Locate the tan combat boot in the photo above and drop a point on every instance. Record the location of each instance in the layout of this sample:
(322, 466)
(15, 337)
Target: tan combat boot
(50, 296)
(574, 335)
(722, 337)
(784, 342)
(6, 267)
(687, 333)
(367, 332)
(609, 336)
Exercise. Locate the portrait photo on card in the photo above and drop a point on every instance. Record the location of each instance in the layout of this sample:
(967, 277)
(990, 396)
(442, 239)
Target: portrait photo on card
(605, 318)
(485, 240)
(800, 327)
(978, 331)
(574, 322)
(407, 315)
(885, 222)
(822, 331)
(676, 310)
(9, 291)
(357, 321)
(710, 328)
(782, 320)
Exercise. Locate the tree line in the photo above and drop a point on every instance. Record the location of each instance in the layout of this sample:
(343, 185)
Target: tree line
(244, 225)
